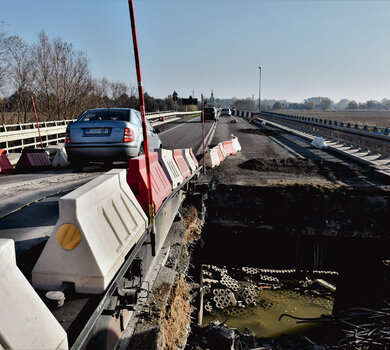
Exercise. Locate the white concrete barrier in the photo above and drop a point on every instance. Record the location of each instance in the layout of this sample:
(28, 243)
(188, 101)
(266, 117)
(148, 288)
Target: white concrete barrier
(25, 321)
(171, 170)
(98, 225)
(236, 143)
(212, 158)
(60, 160)
(190, 162)
(319, 142)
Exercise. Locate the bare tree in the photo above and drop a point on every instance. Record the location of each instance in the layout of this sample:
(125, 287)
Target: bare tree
(59, 76)
(20, 73)
(78, 83)
(42, 52)
(4, 69)
(4, 66)
(118, 88)
(102, 90)
(63, 77)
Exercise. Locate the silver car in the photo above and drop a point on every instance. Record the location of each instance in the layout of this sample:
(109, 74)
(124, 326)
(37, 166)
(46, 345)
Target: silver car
(107, 134)
(226, 111)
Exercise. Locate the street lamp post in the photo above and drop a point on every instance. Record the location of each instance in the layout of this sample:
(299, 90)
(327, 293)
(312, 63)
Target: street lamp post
(259, 89)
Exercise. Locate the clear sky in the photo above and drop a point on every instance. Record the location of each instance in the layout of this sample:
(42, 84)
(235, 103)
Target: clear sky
(338, 49)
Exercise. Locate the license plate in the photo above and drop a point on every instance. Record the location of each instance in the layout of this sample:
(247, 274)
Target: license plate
(96, 131)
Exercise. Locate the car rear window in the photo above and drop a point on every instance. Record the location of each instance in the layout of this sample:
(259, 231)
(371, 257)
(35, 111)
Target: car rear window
(112, 114)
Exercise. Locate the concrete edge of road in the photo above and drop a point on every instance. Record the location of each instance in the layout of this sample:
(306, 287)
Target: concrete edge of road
(14, 203)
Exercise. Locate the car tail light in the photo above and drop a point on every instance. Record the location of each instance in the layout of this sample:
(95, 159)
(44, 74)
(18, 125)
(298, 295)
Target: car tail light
(128, 136)
(67, 136)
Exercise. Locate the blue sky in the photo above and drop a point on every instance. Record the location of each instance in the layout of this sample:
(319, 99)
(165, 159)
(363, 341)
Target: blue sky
(339, 49)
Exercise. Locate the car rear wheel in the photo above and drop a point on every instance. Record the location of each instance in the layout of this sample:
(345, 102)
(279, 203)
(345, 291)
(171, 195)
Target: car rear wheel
(141, 150)
(76, 164)
(108, 164)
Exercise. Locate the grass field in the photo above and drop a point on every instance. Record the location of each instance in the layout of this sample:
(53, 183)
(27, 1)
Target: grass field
(375, 118)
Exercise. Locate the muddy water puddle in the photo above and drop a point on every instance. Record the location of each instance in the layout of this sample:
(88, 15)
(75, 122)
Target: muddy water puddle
(304, 233)
(265, 302)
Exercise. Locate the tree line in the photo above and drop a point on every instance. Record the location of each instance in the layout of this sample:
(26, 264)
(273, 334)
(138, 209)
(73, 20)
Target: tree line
(312, 103)
(325, 103)
(59, 78)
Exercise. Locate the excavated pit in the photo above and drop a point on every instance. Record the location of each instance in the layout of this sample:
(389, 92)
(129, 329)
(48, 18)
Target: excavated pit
(302, 166)
(266, 251)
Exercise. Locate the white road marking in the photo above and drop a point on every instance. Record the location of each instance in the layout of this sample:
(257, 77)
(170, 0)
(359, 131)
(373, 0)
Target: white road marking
(177, 126)
(207, 139)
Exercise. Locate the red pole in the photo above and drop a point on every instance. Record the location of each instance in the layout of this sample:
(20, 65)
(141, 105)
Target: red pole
(204, 149)
(36, 118)
(142, 110)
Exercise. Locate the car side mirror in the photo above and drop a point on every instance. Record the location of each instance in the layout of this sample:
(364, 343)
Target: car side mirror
(156, 130)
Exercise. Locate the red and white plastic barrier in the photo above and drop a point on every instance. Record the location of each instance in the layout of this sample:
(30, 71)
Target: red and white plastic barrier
(244, 114)
(212, 158)
(32, 159)
(189, 160)
(5, 165)
(221, 155)
(217, 154)
(229, 148)
(222, 149)
(137, 180)
(194, 158)
(165, 157)
(236, 143)
(181, 163)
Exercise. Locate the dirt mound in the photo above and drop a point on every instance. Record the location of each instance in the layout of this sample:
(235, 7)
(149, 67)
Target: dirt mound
(265, 132)
(301, 167)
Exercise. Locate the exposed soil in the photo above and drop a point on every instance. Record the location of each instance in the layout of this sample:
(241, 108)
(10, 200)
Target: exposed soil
(265, 132)
(163, 322)
(177, 317)
(193, 225)
(375, 118)
(298, 166)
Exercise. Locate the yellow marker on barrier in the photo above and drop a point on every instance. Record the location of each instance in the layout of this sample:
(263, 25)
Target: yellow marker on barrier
(68, 236)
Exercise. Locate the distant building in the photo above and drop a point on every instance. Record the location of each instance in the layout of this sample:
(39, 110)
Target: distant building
(212, 100)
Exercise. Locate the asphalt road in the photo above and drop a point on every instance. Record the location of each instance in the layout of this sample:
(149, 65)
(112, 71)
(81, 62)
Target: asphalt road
(184, 133)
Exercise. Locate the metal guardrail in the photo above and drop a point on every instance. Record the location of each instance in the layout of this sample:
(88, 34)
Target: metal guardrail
(19, 136)
(375, 142)
(348, 125)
